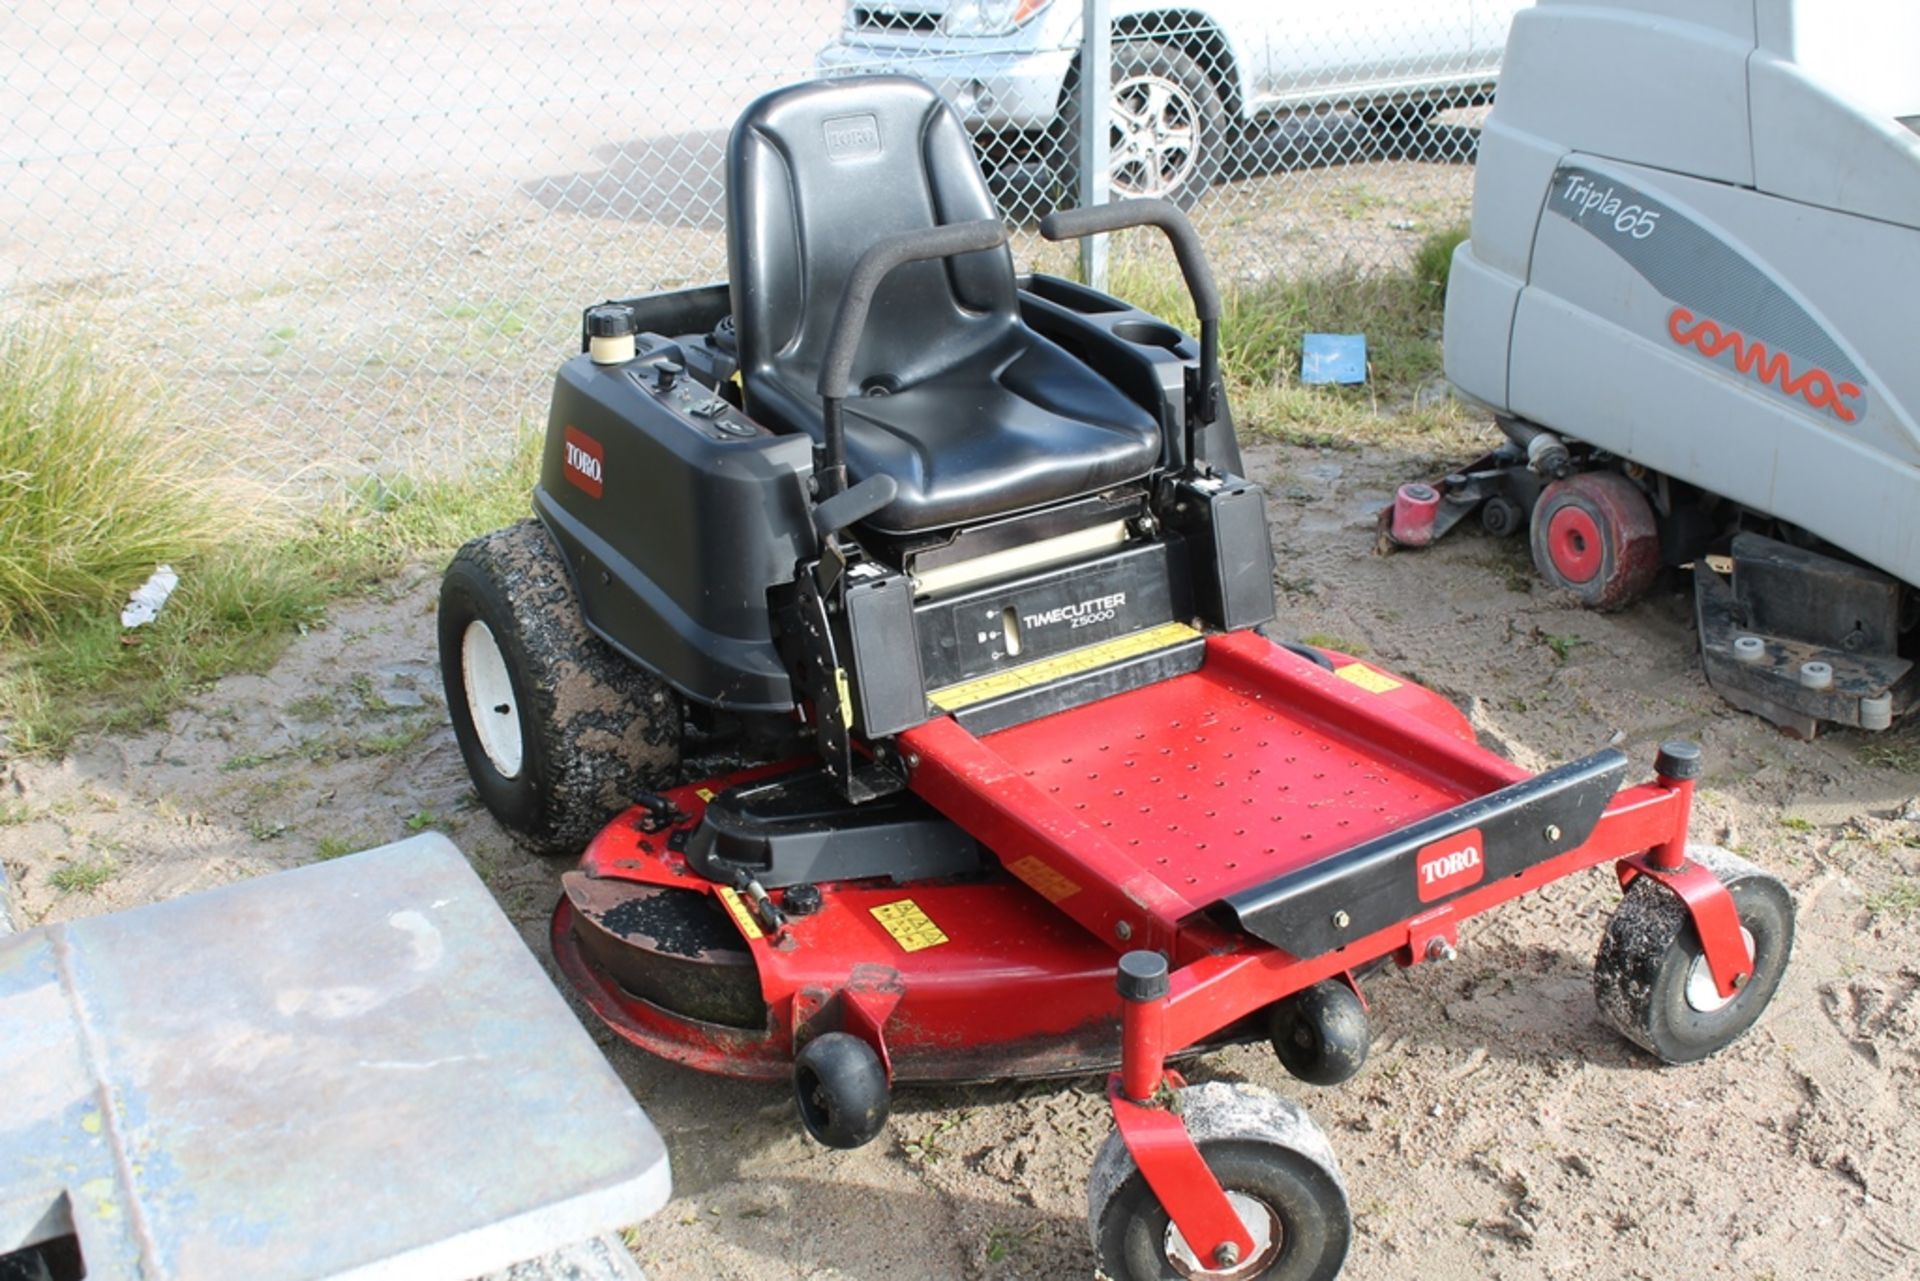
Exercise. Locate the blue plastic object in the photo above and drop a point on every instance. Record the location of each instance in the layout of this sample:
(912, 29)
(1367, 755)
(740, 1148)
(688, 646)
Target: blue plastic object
(1333, 358)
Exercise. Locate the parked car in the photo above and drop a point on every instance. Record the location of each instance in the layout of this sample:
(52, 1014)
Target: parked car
(1189, 83)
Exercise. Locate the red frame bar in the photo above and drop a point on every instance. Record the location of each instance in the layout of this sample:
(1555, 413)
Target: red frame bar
(1173, 1167)
(1715, 919)
(1219, 988)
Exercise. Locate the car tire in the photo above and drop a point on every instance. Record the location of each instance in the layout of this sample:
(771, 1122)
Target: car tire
(1170, 129)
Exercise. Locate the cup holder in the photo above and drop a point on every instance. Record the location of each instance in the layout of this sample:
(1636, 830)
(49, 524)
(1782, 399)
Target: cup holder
(1149, 333)
(1074, 297)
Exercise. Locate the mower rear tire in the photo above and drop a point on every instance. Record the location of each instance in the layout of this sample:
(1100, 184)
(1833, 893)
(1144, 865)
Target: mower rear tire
(841, 1089)
(1650, 978)
(1593, 534)
(1321, 1034)
(1278, 1171)
(558, 731)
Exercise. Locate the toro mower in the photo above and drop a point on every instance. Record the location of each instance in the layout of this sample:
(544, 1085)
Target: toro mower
(961, 569)
(1696, 235)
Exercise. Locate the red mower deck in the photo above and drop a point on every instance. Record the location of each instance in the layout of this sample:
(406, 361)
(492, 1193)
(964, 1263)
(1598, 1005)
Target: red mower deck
(1345, 812)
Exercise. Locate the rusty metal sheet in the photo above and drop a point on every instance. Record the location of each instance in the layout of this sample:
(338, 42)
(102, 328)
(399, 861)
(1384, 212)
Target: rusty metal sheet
(354, 1069)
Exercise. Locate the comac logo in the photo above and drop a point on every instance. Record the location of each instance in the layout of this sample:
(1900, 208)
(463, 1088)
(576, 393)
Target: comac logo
(1753, 358)
(1450, 864)
(585, 462)
(851, 137)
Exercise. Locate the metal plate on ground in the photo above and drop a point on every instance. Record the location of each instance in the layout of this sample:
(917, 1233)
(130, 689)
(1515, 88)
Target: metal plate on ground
(353, 1069)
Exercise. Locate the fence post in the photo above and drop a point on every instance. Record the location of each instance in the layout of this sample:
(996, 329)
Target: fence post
(1096, 103)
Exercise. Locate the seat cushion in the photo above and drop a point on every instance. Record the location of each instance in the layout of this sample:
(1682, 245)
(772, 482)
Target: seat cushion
(986, 418)
(1018, 425)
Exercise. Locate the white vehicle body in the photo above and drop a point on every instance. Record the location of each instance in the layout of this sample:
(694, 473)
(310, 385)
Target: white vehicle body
(1007, 64)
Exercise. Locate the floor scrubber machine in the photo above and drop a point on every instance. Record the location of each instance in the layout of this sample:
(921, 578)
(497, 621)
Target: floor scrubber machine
(960, 567)
(1696, 232)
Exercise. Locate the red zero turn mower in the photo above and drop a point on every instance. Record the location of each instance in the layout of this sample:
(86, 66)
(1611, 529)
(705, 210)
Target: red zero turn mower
(960, 565)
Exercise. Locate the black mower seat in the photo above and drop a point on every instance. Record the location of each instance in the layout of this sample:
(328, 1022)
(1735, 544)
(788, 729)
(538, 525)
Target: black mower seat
(973, 414)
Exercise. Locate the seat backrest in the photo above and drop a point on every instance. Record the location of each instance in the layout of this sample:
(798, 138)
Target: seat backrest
(815, 174)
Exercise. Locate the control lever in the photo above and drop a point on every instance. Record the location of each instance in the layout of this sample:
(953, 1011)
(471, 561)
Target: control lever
(851, 506)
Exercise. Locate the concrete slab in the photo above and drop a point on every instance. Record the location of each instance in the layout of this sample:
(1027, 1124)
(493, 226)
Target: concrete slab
(350, 1070)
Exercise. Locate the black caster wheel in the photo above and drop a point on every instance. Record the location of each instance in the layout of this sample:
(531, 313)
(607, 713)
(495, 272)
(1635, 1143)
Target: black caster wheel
(1321, 1034)
(841, 1089)
(1651, 979)
(1278, 1171)
(1593, 534)
(559, 733)
(1502, 517)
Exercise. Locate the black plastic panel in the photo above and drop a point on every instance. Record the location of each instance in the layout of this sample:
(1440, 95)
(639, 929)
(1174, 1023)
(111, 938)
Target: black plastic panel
(1328, 904)
(692, 525)
(965, 634)
(798, 827)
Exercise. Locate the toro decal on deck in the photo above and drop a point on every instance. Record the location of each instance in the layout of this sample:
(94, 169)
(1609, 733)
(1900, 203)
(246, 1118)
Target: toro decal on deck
(1451, 863)
(585, 462)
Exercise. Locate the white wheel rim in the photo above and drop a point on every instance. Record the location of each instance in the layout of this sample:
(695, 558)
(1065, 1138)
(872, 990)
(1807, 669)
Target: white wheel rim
(491, 705)
(1156, 136)
(1261, 1223)
(1703, 994)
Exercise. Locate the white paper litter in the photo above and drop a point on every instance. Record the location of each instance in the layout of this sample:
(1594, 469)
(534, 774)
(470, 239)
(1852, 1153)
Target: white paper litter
(144, 605)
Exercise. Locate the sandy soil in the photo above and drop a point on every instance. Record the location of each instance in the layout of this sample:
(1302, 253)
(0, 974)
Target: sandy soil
(1499, 1130)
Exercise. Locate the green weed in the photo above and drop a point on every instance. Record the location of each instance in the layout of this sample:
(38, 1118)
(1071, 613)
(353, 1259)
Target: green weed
(83, 877)
(1563, 646)
(239, 603)
(332, 847)
(1902, 898)
(1337, 643)
(1901, 754)
(98, 484)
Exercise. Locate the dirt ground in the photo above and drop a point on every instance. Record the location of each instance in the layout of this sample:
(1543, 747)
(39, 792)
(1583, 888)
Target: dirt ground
(1499, 1129)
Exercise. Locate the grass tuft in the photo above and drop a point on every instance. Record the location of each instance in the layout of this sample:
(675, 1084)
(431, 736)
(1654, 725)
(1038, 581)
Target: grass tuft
(84, 877)
(98, 484)
(1433, 265)
(1262, 327)
(248, 584)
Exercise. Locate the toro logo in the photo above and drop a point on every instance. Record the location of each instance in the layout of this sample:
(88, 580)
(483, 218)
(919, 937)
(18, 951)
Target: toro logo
(585, 462)
(1775, 368)
(1449, 864)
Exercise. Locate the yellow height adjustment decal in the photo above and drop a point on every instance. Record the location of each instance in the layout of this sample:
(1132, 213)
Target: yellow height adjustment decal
(1366, 678)
(742, 914)
(1071, 663)
(1049, 882)
(911, 928)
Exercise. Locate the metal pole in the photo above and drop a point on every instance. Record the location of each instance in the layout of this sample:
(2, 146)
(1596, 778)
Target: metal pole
(1096, 103)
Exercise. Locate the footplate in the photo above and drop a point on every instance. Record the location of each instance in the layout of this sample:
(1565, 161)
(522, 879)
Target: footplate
(1392, 878)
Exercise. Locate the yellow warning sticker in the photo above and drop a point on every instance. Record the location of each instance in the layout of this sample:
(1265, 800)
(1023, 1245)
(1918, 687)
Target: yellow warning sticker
(742, 914)
(1047, 881)
(1366, 678)
(704, 793)
(1072, 663)
(911, 928)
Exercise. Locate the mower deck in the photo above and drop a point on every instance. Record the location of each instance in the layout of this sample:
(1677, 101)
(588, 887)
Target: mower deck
(1243, 794)
(1162, 801)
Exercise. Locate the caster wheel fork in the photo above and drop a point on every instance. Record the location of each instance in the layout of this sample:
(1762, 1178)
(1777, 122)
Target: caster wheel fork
(1278, 1175)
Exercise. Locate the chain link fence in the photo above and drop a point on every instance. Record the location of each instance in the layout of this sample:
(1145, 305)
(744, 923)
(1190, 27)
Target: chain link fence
(355, 237)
